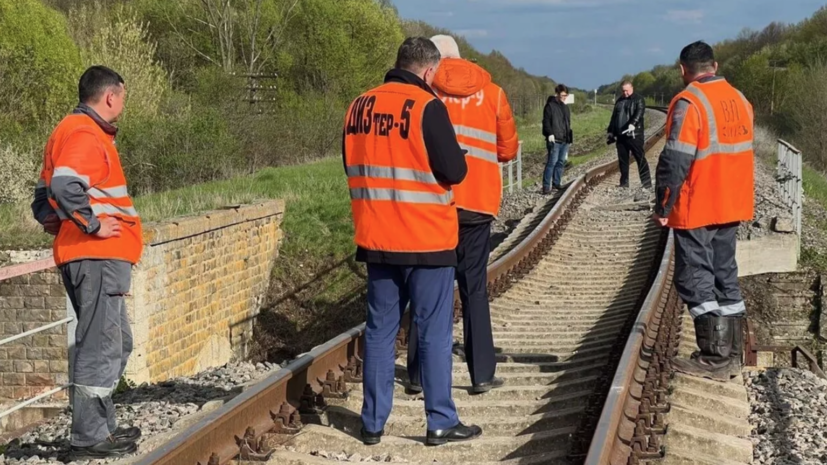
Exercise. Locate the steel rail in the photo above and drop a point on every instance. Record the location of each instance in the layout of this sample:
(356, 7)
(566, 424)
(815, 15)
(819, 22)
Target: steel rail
(274, 404)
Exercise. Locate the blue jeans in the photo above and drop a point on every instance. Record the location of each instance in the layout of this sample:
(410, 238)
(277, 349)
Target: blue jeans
(430, 292)
(557, 155)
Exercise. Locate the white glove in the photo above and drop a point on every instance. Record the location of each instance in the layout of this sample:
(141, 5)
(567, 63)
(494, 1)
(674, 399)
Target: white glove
(551, 139)
(631, 129)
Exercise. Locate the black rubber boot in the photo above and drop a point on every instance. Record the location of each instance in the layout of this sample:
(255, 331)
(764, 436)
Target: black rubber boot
(737, 353)
(714, 335)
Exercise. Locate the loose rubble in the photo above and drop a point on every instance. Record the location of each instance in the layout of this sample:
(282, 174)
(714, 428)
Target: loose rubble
(343, 457)
(789, 417)
(153, 408)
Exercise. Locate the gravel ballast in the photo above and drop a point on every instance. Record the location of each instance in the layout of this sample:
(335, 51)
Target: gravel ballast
(789, 417)
(156, 409)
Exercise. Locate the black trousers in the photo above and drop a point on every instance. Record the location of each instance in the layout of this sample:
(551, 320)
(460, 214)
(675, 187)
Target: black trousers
(706, 273)
(472, 276)
(625, 145)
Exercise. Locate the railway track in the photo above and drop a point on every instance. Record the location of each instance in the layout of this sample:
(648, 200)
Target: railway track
(585, 322)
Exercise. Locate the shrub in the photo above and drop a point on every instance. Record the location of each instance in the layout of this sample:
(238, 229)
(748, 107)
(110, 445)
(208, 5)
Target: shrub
(21, 169)
(183, 145)
(36, 56)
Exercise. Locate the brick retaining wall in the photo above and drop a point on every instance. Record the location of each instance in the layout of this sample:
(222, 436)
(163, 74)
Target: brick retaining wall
(195, 293)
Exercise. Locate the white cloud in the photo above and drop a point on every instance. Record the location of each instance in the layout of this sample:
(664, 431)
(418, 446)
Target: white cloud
(442, 14)
(655, 50)
(685, 16)
(472, 33)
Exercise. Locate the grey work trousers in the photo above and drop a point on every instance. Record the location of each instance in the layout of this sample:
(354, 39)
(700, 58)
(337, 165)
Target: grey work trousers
(103, 342)
(706, 274)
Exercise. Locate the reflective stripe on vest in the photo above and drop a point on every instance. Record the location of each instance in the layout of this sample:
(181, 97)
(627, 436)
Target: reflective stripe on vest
(397, 195)
(389, 172)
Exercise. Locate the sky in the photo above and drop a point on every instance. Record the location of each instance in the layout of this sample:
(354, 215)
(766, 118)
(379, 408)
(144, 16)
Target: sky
(587, 43)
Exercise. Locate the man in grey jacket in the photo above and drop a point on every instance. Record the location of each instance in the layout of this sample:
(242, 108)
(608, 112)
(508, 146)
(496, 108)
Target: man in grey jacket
(626, 130)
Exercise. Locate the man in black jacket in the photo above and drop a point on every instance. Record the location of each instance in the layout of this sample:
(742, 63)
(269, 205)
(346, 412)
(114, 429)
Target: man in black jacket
(626, 128)
(557, 131)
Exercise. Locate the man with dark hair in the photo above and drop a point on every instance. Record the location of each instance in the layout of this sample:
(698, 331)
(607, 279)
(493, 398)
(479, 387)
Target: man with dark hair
(401, 158)
(558, 134)
(704, 190)
(626, 130)
(82, 199)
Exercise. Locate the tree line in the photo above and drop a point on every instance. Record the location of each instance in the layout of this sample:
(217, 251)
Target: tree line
(781, 69)
(215, 88)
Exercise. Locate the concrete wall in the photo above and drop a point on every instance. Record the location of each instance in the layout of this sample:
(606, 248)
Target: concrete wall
(195, 293)
(38, 363)
(774, 253)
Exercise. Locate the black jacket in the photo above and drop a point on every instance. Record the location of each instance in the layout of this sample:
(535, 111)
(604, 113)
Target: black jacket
(557, 121)
(448, 165)
(628, 110)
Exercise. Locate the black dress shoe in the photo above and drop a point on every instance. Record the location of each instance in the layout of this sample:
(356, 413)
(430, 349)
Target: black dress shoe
(485, 387)
(371, 439)
(109, 447)
(127, 434)
(456, 434)
(413, 389)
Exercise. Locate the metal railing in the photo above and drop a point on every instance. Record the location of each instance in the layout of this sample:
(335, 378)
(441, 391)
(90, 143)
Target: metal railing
(509, 168)
(20, 270)
(790, 180)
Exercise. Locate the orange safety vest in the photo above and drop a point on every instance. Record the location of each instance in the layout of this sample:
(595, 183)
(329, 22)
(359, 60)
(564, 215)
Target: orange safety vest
(719, 187)
(477, 117)
(397, 203)
(107, 193)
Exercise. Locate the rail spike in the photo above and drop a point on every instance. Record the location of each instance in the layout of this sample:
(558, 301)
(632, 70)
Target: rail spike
(287, 420)
(311, 403)
(248, 452)
(334, 386)
(353, 370)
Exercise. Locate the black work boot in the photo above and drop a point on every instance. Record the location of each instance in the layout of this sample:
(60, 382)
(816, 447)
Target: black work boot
(109, 447)
(127, 434)
(737, 353)
(456, 434)
(714, 336)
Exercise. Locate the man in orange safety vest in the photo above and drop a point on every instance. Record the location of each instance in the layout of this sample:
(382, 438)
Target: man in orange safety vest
(705, 188)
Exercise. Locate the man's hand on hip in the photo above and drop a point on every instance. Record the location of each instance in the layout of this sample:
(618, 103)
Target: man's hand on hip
(110, 227)
(51, 224)
(663, 222)
(551, 138)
